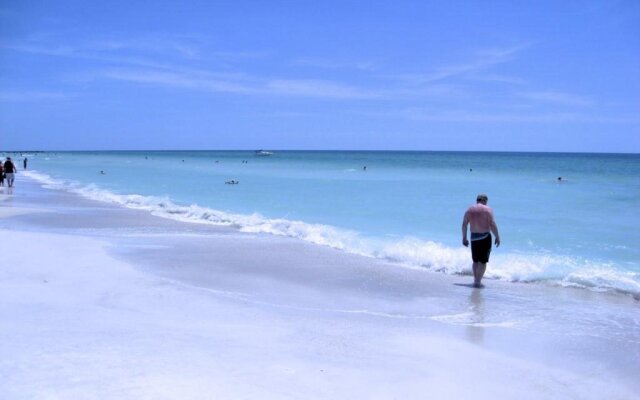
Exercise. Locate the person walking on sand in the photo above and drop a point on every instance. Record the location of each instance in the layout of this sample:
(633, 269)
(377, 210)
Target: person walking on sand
(1, 175)
(9, 171)
(480, 217)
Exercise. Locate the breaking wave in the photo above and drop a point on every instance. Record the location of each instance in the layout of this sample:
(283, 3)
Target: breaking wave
(558, 270)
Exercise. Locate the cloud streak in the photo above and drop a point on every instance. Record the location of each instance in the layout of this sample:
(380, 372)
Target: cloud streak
(19, 96)
(466, 116)
(317, 88)
(483, 60)
(177, 80)
(162, 46)
(242, 85)
(333, 64)
(558, 98)
(71, 52)
(143, 51)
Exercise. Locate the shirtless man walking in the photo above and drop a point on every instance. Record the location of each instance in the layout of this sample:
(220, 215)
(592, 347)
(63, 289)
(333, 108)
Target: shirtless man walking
(480, 216)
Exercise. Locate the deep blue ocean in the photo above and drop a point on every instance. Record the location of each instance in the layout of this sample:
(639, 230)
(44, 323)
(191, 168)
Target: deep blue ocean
(406, 207)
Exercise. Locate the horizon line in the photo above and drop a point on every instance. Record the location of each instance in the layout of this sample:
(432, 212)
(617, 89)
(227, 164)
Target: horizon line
(323, 150)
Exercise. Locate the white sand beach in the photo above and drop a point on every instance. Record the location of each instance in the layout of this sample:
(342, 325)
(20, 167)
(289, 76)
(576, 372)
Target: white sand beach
(102, 302)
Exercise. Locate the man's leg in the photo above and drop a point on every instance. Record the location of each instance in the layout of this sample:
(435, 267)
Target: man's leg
(478, 272)
(475, 273)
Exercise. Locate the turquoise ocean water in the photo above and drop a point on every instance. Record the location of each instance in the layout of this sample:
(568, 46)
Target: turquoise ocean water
(406, 206)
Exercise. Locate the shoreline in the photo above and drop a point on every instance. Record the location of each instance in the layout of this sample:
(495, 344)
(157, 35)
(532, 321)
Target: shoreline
(295, 319)
(408, 251)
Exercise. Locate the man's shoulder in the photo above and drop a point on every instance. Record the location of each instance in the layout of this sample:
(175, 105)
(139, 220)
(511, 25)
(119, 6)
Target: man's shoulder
(479, 208)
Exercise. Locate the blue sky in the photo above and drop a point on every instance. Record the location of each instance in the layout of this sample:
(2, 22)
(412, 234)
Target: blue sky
(401, 75)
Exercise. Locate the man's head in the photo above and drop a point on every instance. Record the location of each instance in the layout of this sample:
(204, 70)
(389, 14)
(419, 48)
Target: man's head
(482, 198)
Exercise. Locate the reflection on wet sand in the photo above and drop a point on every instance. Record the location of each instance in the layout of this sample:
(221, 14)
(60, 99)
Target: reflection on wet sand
(475, 330)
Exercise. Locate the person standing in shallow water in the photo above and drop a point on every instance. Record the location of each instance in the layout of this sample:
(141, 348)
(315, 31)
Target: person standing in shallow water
(480, 217)
(9, 171)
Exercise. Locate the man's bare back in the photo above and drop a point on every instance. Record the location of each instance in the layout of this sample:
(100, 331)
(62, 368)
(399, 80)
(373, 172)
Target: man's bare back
(479, 217)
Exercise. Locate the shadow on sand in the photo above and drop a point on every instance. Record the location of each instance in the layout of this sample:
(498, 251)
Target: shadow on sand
(469, 285)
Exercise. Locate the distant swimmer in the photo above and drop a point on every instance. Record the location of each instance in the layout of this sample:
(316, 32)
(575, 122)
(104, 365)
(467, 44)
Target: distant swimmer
(102, 173)
(364, 168)
(24, 163)
(561, 179)
(232, 182)
(480, 217)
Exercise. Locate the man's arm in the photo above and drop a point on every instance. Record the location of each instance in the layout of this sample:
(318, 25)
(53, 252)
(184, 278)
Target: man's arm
(494, 230)
(465, 224)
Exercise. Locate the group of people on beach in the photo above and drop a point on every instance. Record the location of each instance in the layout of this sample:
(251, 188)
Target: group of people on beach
(8, 171)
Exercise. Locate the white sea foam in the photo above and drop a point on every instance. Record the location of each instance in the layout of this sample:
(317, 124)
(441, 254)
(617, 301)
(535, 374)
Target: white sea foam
(472, 319)
(408, 251)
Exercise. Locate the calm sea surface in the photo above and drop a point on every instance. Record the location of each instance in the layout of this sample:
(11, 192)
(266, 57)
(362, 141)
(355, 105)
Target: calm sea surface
(406, 206)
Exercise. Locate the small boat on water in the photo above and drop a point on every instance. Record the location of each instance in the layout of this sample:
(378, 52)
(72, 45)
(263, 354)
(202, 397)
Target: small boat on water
(263, 153)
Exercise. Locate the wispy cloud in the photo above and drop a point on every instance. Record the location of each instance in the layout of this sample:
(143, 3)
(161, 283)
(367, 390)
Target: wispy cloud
(151, 44)
(284, 114)
(72, 52)
(11, 96)
(466, 116)
(185, 80)
(335, 64)
(243, 84)
(558, 98)
(185, 47)
(482, 60)
(157, 51)
(501, 54)
(512, 80)
(318, 88)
